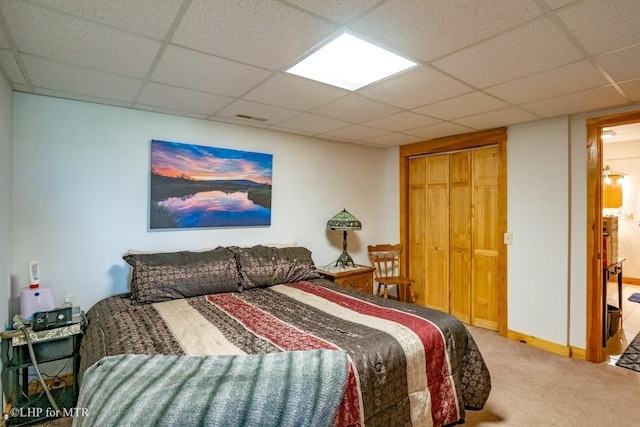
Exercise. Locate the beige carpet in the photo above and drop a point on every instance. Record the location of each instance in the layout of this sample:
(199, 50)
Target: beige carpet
(532, 387)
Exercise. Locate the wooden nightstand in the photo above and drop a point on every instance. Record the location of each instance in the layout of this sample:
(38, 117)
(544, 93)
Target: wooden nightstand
(359, 277)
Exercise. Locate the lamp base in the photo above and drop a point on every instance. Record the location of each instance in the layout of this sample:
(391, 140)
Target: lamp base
(345, 259)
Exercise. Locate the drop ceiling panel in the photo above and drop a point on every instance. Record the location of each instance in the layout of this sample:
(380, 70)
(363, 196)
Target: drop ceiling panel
(180, 99)
(4, 43)
(595, 99)
(152, 18)
(355, 108)
(72, 79)
(296, 93)
(336, 10)
(435, 28)
(198, 71)
(504, 117)
(313, 123)
(534, 47)
(439, 130)
(602, 26)
(248, 31)
(356, 133)
(393, 140)
(622, 64)
(269, 113)
(10, 66)
(402, 121)
(462, 106)
(581, 75)
(54, 35)
(415, 88)
(632, 88)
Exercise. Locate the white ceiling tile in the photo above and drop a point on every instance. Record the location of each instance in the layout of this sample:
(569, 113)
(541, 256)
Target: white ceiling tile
(415, 87)
(440, 130)
(10, 66)
(594, 99)
(504, 117)
(534, 47)
(54, 35)
(290, 130)
(248, 31)
(621, 64)
(194, 70)
(355, 108)
(313, 123)
(461, 106)
(238, 121)
(170, 111)
(258, 111)
(147, 17)
(394, 139)
(357, 132)
(80, 81)
(402, 121)
(632, 88)
(180, 99)
(293, 92)
(435, 28)
(81, 97)
(602, 26)
(557, 4)
(336, 10)
(569, 78)
(4, 43)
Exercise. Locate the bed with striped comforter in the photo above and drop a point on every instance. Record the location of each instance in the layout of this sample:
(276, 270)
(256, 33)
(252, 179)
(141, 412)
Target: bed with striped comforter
(408, 365)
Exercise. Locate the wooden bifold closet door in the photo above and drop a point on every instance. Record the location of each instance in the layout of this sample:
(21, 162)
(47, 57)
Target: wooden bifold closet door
(454, 233)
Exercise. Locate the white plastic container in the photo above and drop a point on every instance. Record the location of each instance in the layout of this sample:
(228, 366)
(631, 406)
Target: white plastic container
(36, 299)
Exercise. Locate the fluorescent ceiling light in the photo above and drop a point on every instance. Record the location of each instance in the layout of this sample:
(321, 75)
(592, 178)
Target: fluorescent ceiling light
(350, 63)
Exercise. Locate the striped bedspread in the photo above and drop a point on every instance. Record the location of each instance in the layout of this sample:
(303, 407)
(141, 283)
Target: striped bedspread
(408, 365)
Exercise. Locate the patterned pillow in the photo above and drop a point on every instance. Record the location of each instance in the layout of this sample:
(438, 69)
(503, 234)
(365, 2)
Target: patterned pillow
(165, 276)
(262, 266)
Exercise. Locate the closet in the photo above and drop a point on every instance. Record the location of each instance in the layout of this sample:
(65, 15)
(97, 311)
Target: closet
(453, 223)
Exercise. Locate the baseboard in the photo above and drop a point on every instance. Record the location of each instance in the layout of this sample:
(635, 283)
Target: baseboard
(630, 280)
(552, 347)
(578, 353)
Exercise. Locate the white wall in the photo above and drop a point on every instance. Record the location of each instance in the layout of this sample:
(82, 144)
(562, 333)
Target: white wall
(538, 217)
(6, 120)
(81, 180)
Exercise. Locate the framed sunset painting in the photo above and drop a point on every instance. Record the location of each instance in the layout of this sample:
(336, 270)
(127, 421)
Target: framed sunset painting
(199, 186)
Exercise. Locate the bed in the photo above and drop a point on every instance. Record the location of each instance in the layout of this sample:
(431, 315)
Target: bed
(254, 336)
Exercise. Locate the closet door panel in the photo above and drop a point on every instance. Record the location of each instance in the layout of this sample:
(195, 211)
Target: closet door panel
(460, 235)
(417, 204)
(485, 238)
(437, 233)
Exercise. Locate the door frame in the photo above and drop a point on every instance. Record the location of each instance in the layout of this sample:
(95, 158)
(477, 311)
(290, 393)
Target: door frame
(478, 139)
(595, 288)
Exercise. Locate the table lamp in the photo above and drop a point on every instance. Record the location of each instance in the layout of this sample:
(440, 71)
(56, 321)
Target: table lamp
(344, 221)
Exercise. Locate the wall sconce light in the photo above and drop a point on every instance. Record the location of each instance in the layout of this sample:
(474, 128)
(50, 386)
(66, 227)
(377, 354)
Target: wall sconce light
(607, 174)
(608, 134)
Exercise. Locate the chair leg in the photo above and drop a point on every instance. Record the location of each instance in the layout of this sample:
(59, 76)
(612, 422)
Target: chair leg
(386, 295)
(411, 296)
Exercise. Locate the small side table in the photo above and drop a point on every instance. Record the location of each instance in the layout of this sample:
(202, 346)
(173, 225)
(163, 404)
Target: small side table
(358, 277)
(27, 405)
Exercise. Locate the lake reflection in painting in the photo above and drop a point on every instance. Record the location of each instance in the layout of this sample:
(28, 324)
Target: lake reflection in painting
(216, 209)
(199, 186)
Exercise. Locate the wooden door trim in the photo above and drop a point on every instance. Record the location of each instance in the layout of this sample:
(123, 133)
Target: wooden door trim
(595, 313)
(479, 139)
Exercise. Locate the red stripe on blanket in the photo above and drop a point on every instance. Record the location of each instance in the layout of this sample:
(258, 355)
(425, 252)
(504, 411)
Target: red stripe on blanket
(444, 409)
(288, 338)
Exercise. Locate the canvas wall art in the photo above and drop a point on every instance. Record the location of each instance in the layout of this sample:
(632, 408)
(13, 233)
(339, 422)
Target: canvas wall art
(199, 186)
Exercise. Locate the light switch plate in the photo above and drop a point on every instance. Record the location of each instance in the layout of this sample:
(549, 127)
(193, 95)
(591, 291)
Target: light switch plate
(508, 238)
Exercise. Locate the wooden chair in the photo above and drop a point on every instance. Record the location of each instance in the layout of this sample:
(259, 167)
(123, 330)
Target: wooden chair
(386, 259)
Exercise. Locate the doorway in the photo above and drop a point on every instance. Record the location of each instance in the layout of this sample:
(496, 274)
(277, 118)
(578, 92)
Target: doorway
(595, 289)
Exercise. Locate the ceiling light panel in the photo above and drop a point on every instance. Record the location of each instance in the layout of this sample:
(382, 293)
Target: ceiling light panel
(350, 63)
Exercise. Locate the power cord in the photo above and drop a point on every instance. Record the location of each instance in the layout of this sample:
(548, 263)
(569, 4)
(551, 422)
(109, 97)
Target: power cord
(18, 324)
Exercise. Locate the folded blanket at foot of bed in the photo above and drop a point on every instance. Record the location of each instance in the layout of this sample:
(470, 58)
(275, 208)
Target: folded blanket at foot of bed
(299, 388)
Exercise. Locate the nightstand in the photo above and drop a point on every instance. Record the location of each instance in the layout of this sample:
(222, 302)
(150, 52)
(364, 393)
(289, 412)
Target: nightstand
(358, 277)
(21, 388)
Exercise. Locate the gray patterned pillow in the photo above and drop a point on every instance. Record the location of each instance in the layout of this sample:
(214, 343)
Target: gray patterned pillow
(165, 276)
(262, 266)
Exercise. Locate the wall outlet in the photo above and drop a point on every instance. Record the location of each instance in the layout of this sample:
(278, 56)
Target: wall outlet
(508, 238)
(628, 216)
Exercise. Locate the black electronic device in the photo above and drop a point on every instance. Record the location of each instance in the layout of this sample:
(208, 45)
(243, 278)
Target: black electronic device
(56, 318)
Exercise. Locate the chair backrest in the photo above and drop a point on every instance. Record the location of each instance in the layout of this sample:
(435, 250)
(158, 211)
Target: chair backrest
(386, 259)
